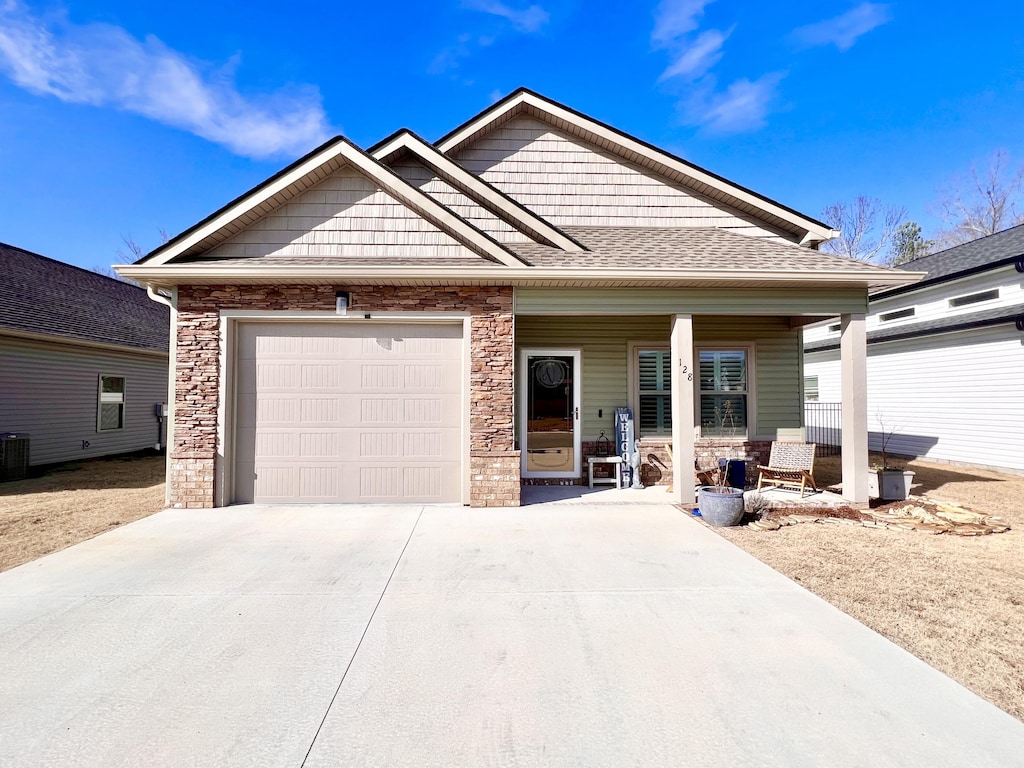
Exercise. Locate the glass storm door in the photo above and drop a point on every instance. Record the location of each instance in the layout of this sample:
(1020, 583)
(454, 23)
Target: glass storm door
(549, 412)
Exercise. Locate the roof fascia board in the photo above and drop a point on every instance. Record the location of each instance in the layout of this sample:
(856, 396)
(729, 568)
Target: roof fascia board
(813, 231)
(486, 194)
(390, 182)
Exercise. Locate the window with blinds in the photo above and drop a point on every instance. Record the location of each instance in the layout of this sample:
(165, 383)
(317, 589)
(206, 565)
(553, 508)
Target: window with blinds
(654, 392)
(110, 415)
(723, 392)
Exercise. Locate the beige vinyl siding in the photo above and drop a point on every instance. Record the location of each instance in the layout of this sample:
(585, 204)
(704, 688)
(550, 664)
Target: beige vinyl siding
(50, 392)
(570, 182)
(604, 342)
(345, 215)
(722, 301)
(426, 180)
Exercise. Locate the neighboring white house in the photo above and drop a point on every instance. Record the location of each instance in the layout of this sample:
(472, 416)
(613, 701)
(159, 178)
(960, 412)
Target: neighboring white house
(83, 360)
(945, 356)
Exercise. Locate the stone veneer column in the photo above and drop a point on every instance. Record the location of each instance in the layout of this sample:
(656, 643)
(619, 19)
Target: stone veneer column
(494, 463)
(196, 375)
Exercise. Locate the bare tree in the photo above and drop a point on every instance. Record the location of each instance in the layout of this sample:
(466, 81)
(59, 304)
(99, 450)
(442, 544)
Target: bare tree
(128, 253)
(982, 204)
(866, 225)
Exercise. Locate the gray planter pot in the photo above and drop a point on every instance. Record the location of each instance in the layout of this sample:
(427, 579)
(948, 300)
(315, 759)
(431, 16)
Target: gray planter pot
(720, 507)
(890, 484)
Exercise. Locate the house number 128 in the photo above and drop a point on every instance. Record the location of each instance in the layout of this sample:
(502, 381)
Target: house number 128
(687, 371)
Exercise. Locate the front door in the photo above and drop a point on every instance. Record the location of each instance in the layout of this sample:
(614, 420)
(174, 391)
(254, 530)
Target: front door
(550, 412)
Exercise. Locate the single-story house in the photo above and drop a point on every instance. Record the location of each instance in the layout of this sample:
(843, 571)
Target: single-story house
(83, 360)
(945, 356)
(445, 322)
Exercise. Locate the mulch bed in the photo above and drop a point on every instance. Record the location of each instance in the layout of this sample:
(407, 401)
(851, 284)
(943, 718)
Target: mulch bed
(915, 514)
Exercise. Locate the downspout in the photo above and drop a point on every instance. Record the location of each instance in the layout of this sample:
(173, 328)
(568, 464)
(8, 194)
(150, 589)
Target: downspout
(172, 304)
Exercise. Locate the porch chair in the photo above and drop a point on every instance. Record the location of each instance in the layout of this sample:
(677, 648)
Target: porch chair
(704, 476)
(789, 465)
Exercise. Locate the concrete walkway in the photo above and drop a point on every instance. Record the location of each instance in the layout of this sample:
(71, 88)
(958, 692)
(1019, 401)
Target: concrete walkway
(552, 635)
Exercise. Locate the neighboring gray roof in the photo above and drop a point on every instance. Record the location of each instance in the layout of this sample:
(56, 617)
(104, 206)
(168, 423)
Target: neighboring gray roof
(682, 248)
(988, 317)
(41, 295)
(1000, 247)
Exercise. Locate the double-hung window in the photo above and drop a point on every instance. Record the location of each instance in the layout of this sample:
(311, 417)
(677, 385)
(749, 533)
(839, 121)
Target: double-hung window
(110, 408)
(723, 392)
(654, 392)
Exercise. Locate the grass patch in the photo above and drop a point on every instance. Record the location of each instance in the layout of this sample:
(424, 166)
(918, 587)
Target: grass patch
(68, 503)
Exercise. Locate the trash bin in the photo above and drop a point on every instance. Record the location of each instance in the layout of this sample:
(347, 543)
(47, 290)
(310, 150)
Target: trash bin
(735, 472)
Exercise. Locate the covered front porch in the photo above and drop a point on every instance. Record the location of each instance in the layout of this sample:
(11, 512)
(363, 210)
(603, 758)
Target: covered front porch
(733, 361)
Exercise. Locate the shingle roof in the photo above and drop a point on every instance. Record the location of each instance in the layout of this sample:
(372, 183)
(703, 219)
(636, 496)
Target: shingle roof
(1002, 246)
(682, 248)
(41, 295)
(988, 317)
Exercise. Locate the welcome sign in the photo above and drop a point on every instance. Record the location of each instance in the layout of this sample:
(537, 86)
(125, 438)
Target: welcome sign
(624, 442)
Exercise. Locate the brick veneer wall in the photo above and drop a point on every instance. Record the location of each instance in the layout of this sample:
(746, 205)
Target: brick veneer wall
(656, 467)
(494, 478)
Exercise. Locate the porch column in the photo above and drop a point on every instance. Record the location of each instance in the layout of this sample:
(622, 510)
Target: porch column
(683, 479)
(853, 352)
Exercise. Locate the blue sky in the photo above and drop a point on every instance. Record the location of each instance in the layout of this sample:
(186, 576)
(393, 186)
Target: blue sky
(127, 118)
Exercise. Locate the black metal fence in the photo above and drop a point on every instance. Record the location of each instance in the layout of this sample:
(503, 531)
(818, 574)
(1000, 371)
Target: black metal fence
(824, 422)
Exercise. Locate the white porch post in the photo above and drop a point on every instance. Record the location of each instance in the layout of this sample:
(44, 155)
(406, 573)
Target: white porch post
(683, 478)
(853, 351)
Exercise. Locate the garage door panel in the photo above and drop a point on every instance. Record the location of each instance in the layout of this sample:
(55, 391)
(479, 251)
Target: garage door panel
(347, 444)
(349, 412)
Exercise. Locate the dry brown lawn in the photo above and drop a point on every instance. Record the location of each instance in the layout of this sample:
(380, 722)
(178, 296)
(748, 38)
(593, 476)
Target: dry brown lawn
(76, 501)
(955, 602)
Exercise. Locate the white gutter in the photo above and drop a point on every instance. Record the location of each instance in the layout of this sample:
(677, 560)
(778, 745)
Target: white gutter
(192, 273)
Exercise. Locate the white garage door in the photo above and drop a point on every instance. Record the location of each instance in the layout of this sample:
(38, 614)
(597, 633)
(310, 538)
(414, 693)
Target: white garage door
(363, 412)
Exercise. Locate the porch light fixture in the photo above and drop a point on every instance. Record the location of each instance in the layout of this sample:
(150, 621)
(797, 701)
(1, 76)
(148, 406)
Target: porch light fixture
(341, 299)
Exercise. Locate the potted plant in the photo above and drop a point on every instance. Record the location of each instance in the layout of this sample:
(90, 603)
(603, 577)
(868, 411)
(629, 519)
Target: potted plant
(719, 504)
(889, 483)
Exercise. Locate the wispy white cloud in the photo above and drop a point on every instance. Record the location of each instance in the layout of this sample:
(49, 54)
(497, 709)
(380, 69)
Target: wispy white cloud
(843, 31)
(743, 106)
(103, 65)
(675, 18)
(698, 57)
(675, 25)
(528, 19)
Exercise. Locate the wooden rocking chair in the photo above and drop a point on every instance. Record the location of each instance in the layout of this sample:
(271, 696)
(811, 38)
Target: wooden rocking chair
(791, 465)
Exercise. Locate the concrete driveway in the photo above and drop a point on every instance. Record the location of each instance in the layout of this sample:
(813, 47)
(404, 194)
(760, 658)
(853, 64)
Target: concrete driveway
(587, 634)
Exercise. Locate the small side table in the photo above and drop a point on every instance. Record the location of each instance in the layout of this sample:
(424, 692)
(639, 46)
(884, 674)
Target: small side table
(615, 461)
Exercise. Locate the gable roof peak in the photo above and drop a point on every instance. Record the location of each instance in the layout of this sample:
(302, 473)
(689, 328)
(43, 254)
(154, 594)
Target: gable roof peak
(808, 231)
